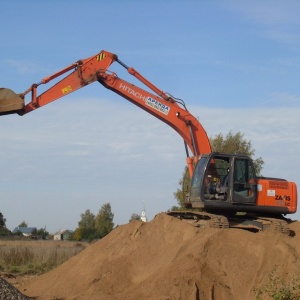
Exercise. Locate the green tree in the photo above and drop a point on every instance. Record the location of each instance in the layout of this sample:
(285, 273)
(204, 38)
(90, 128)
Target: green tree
(134, 216)
(2, 221)
(181, 193)
(23, 224)
(104, 221)
(77, 235)
(236, 144)
(42, 232)
(87, 225)
(230, 144)
(3, 229)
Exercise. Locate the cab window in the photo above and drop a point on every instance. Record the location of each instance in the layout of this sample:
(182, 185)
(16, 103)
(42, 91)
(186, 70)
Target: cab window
(243, 176)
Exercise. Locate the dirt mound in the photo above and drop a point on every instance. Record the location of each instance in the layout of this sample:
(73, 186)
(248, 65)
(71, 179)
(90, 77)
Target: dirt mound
(169, 259)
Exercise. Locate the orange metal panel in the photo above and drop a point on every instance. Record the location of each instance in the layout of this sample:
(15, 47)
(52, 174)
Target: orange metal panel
(277, 193)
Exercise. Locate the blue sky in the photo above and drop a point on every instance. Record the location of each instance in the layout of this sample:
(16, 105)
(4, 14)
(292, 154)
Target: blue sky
(235, 63)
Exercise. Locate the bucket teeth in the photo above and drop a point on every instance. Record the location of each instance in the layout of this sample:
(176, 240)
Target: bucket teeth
(10, 102)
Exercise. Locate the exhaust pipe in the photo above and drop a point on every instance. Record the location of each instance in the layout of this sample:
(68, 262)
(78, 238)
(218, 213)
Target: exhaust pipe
(10, 102)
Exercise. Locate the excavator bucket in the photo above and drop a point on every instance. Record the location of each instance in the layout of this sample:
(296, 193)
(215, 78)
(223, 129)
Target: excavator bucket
(10, 102)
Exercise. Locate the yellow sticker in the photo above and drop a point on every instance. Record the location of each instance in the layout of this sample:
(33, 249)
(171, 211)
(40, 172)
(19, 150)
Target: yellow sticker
(67, 89)
(100, 56)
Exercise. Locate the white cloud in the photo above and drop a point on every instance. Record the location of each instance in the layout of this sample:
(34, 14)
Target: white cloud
(274, 12)
(285, 99)
(23, 67)
(276, 18)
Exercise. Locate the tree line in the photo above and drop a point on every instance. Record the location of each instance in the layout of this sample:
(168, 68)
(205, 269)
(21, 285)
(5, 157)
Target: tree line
(92, 227)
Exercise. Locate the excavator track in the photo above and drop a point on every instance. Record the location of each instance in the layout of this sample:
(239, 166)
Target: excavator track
(201, 219)
(253, 223)
(260, 224)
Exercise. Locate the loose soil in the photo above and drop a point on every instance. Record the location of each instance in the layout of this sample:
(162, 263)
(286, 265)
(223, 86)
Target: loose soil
(167, 259)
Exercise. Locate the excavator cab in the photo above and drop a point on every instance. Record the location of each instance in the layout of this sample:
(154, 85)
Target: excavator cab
(10, 102)
(222, 180)
(228, 183)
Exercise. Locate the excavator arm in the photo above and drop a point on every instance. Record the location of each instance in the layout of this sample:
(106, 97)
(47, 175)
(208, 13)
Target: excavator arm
(84, 72)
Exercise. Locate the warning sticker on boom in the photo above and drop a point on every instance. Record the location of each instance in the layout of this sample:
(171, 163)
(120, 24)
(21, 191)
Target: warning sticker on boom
(157, 105)
(67, 89)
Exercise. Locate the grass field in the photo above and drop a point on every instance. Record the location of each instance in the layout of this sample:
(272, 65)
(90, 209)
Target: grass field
(35, 257)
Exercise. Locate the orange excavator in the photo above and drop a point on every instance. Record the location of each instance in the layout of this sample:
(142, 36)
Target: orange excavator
(225, 191)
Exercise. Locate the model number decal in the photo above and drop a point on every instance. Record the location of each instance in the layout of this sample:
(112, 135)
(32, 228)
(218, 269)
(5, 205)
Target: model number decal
(279, 197)
(283, 199)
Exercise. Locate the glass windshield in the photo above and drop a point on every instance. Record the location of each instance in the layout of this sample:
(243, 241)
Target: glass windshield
(198, 172)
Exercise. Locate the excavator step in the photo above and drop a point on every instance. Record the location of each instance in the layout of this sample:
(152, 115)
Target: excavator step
(10, 102)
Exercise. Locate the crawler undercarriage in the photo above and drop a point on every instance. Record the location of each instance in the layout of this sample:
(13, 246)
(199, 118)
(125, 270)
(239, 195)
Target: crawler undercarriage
(242, 221)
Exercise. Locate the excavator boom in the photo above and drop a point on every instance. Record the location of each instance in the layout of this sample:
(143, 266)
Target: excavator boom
(84, 72)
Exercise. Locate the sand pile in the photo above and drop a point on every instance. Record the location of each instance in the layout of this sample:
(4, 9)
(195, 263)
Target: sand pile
(168, 259)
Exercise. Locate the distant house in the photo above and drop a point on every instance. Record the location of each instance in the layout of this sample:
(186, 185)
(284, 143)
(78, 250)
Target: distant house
(25, 231)
(63, 235)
